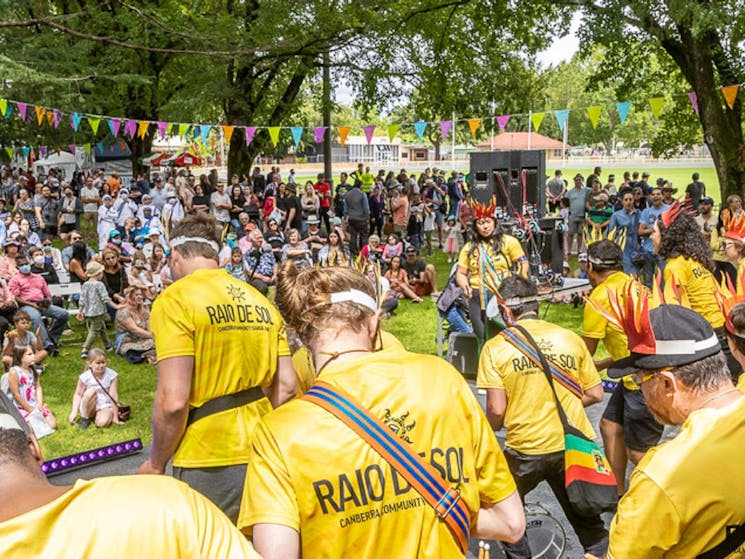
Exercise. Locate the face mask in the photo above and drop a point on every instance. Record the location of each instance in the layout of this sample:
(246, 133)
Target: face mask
(39, 260)
(25, 269)
(116, 241)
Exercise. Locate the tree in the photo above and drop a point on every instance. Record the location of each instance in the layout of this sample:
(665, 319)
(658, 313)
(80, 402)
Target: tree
(704, 40)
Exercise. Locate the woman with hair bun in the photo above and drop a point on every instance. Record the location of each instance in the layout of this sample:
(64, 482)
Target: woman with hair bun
(297, 504)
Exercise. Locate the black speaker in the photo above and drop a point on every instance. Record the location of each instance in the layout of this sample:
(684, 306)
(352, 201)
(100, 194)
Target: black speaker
(463, 353)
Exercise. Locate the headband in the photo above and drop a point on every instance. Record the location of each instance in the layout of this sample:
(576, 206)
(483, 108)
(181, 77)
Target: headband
(178, 241)
(354, 296)
(603, 261)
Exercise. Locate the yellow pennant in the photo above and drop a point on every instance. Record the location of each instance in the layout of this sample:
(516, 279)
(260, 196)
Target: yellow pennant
(228, 132)
(274, 134)
(142, 128)
(656, 105)
(50, 118)
(39, 114)
(473, 124)
(593, 113)
(536, 119)
(94, 122)
(343, 133)
(730, 95)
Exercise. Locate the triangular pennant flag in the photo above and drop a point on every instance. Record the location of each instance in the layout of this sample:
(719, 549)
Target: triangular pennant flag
(250, 131)
(392, 131)
(162, 127)
(42, 151)
(182, 130)
(3, 107)
(87, 148)
(9, 151)
(502, 121)
(593, 113)
(130, 127)
(473, 125)
(75, 119)
(420, 127)
(26, 152)
(655, 103)
(39, 114)
(57, 117)
(369, 130)
(343, 133)
(22, 111)
(94, 123)
(172, 128)
(72, 148)
(319, 132)
(50, 118)
(274, 134)
(623, 109)
(561, 118)
(297, 133)
(445, 127)
(227, 131)
(730, 94)
(142, 128)
(693, 98)
(536, 119)
(114, 126)
(205, 130)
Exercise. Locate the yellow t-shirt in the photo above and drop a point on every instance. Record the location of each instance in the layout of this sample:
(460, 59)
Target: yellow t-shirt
(674, 507)
(124, 516)
(741, 383)
(512, 252)
(310, 472)
(698, 284)
(531, 419)
(236, 336)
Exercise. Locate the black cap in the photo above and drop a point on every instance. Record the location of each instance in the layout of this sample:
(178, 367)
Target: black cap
(410, 249)
(682, 336)
(707, 200)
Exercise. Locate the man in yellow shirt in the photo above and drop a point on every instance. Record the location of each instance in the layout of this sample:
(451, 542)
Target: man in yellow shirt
(685, 496)
(627, 427)
(221, 348)
(519, 398)
(114, 517)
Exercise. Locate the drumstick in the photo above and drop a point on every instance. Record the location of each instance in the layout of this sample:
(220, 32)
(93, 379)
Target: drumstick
(481, 550)
(487, 547)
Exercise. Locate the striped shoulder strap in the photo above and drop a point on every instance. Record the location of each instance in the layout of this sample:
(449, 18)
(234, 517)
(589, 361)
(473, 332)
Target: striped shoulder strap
(445, 500)
(557, 373)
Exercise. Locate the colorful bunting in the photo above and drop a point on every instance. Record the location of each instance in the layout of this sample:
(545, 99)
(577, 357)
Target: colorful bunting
(392, 131)
(445, 127)
(693, 98)
(227, 131)
(730, 95)
(369, 130)
(656, 103)
(162, 127)
(319, 132)
(420, 127)
(22, 110)
(57, 117)
(250, 131)
(502, 121)
(297, 134)
(39, 114)
(142, 128)
(593, 113)
(3, 106)
(205, 130)
(274, 134)
(537, 119)
(343, 133)
(50, 118)
(114, 126)
(75, 119)
(182, 130)
(561, 118)
(94, 122)
(473, 125)
(623, 110)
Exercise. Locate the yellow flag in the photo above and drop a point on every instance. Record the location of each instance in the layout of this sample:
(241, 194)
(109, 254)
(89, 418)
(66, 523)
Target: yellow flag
(182, 130)
(536, 119)
(228, 131)
(142, 128)
(656, 105)
(473, 124)
(274, 134)
(593, 113)
(343, 133)
(94, 122)
(39, 114)
(730, 94)
(392, 131)
(50, 118)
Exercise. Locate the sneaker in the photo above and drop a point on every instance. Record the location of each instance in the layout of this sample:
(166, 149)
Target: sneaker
(84, 354)
(110, 347)
(84, 423)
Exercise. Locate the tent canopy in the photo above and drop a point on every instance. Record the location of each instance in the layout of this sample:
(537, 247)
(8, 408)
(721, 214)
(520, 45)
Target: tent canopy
(58, 160)
(183, 160)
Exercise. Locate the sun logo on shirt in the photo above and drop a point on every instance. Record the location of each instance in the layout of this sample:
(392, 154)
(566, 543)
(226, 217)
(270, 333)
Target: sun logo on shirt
(546, 346)
(398, 425)
(236, 293)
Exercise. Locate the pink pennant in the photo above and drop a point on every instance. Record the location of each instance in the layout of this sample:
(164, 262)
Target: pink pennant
(445, 127)
(42, 151)
(115, 123)
(250, 131)
(162, 127)
(369, 131)
(56, 117)
(130, 128)
(502, 121)
(22, 110)
(319, 132)
(693, 98)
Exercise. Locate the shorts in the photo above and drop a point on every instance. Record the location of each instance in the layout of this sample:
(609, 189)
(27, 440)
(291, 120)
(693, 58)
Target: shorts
(223, 485)
(576, 226)
(628, 408)
(422, 289)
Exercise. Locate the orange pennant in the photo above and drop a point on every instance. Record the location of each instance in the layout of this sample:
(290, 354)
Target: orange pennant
(473, 124)
(227, 130)
(343, 133)
(39, 114)
(50, 118)
(730, 95)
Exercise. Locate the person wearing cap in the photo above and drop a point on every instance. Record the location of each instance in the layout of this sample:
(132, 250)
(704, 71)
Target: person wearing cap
(577, 196)
(643, 184)
(71, 514)
(210, 392)
(581, 271)
(94, 298)
(627, 427)
(647, 219)
(707, 220)
(696, 191)
(422, 276)
(519, 399)
(294, 505)
(684, 497)
(667, 192)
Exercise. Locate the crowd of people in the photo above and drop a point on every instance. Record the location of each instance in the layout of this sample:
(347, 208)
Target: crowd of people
(280, 399)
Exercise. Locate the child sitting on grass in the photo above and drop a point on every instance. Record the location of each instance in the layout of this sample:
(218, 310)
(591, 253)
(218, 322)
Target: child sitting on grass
(92, 306)
(90, 398)
(21, 384)
(21, 336)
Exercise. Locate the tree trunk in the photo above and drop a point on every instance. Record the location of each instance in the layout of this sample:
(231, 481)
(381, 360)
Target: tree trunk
(139, 147)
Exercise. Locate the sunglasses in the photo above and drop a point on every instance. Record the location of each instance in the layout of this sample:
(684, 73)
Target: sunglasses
(640, 377)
